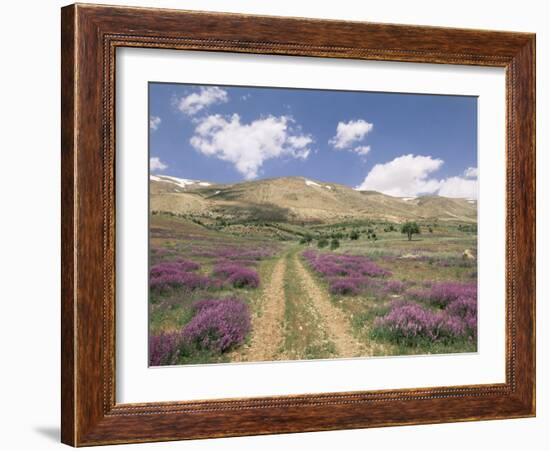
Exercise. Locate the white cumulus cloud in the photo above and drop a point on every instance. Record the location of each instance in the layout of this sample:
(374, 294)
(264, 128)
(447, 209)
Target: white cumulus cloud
(411, 175)
(350, 133)
(154, 122)
(156, 165)
(405, 176)
(248, 145)
(458, 187)
(193, 103)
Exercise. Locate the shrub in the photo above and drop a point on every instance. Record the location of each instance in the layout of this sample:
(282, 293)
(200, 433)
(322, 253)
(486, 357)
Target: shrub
(188, 280)
(176, 274)
(462, 307)
(237, 275)
(442, 294)
(244, 278)
(348, 274)
(465, 308)
(323, 242)
(408, 321)
(345, 287)
(344, 265)
(163, 348)
(334, 244)
(354, 235)
(218, 324)
(225, 269)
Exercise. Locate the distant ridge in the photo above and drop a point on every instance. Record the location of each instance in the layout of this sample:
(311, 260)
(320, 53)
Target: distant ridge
(301, 199)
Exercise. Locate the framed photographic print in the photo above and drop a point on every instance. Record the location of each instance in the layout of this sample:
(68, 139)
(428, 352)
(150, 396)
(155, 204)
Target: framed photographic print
(279, 225)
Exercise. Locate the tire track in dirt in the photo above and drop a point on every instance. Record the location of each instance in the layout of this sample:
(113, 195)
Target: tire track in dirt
(336, 323)
(267, 328)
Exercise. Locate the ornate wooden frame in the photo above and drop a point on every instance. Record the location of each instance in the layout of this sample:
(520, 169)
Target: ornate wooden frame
(90, 35)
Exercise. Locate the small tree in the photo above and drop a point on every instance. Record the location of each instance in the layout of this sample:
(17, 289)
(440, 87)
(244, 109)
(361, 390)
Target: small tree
(323, 242)
(334, 244)
(354, 235)
(410, 228)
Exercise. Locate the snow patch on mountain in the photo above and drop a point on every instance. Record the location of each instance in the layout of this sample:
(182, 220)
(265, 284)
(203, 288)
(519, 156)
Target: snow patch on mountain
(312, 183)
(182, 183)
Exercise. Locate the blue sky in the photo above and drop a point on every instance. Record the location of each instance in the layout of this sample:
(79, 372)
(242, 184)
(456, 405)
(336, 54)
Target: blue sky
(400, 144)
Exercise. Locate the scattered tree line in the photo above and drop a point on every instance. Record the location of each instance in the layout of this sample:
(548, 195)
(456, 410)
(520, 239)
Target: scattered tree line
(468, 228)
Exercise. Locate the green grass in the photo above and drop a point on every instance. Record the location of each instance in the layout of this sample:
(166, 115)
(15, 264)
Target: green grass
(423, 346)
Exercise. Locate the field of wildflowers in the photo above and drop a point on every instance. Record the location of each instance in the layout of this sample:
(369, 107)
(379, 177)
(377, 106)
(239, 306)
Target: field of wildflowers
(414, 316)
(199, 305)
(207, 288)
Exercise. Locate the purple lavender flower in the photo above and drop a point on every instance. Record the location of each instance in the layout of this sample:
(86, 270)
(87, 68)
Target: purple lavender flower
(442, 294)
(462, 307)
(236, 275)
(218, 324)
(187, 280)
(408, 321)
(244, 278)
(465, 309)
(163, 348)
(176, 274)
(347, 274)
(344, 287)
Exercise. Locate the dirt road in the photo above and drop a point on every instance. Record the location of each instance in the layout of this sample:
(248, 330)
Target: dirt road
(272, 323)
(267, 333)
(335, 321)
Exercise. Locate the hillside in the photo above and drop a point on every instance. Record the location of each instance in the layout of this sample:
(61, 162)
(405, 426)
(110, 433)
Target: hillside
(297, 199)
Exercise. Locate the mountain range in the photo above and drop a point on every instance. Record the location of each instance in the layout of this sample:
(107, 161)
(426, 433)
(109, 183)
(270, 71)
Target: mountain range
(298, 199)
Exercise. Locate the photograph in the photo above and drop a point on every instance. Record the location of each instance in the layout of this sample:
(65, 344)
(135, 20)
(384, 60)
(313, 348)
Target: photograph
(295, 224)
(261, 226)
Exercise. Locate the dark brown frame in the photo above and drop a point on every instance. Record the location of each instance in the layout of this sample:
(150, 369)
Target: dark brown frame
(90, 35)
